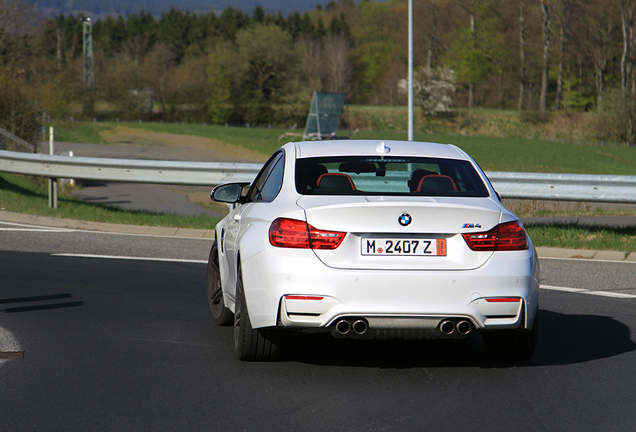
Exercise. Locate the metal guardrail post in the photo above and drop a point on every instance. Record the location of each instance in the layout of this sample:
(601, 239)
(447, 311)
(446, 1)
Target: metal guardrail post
(52, 181)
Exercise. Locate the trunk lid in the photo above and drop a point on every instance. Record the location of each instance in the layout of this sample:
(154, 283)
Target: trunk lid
(374, 230)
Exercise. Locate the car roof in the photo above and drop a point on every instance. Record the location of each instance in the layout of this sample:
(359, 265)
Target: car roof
(388, 148)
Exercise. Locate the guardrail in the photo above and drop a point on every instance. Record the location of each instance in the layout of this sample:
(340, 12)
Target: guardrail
(127, 170)
(534, 186)
(565, 187)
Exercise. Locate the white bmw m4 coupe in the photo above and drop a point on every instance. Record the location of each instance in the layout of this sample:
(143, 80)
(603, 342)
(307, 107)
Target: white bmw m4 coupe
(373, 240)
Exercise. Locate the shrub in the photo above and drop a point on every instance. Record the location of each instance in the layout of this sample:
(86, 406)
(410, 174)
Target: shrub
(615, 118)
(432, 89)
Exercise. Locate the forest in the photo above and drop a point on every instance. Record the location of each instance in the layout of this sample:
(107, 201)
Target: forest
(240, 67)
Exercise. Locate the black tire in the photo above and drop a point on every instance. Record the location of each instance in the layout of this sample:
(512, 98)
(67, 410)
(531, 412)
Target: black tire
(250, 344)
(220, 314)
(511, 345)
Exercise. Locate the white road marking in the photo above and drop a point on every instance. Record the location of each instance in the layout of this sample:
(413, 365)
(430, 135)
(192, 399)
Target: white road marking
(130, 258)
(590, 292)
(32, 228)
(588, 259)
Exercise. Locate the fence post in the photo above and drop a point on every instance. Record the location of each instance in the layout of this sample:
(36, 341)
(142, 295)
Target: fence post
(52, 181)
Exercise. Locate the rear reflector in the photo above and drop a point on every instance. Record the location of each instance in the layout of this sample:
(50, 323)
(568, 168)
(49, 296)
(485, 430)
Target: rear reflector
(292, 233)
(503, 300)
(303, 297)
(506, 236)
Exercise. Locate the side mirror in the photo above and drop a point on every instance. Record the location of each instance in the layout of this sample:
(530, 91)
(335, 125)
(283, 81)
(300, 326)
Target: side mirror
(230, 193)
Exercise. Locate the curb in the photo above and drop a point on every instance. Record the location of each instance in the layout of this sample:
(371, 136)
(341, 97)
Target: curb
(586, 254)
(47, 221)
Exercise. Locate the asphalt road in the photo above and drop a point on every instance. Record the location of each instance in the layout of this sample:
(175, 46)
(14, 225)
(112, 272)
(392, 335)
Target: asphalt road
(128, 345)
(136, 196)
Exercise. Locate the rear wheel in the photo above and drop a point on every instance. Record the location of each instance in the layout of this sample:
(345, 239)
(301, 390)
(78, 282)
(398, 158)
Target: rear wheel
(511, 345)
(252, 344)
(220, 314)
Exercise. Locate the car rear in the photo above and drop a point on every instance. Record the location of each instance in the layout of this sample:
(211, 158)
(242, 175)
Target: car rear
(402, 247)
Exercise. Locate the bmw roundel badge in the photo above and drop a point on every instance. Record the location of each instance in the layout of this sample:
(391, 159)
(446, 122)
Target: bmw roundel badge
(405, 219)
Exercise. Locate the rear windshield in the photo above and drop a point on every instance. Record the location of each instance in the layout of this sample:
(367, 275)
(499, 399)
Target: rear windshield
(364, 175)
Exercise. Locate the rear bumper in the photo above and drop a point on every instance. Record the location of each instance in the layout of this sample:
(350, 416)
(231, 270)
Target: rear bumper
(411, 301)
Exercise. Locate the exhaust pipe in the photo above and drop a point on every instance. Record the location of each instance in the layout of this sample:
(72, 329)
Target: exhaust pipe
(343, 326)
(447, 327)
(360, 327)
(464, 327)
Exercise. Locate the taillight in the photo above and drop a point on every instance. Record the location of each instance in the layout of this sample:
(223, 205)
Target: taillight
(507, 236)
(503, 300)
(292, 233)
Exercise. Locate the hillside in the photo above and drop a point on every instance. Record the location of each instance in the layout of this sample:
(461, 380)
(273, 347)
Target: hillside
(102, 8)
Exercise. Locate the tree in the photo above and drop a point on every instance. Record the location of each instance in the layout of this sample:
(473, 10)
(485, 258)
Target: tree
(19, 107)
(16, 20)
(370, 63)
(629, 43)
(432, 31)
(615, 118)
(471, 7)
(564, 17)
(173, 31)
(432, 89)
(523, 14)
(231, 21)
(546, 11)
(141, 36)
(602, 24)
(474, 56)
(259, 14)
(267, 63)
(219, 102)
(337, 64)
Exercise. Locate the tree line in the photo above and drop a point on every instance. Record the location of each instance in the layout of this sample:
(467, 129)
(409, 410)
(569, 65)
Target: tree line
(260, 68)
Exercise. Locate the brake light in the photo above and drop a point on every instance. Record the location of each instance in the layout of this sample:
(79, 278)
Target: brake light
(292, 233)
(506, 236)
(503, 300)
(303, 297)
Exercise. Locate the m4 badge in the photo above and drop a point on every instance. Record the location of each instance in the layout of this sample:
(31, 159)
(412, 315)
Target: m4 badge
(471, 225)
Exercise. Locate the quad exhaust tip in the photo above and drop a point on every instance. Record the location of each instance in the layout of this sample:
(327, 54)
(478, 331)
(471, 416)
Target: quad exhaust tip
(359, 326)
(448, 327)
(343, 326)
(463, 327)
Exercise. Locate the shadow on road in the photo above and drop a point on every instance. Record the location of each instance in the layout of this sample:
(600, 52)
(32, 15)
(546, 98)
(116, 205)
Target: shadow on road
(38, 307)
(563, 340)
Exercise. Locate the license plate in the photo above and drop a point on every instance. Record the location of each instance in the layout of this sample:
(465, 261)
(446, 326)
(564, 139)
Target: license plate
(403, 247)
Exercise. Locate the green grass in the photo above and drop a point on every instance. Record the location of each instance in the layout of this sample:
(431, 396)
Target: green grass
(19, 194)
(492, 153)
(531, 208)
(575, 236)
(531, 155)
(79, 132)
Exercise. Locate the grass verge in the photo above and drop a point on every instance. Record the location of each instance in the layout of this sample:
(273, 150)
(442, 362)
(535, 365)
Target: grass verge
(574, 236)
(492, 153)
(19, 194)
